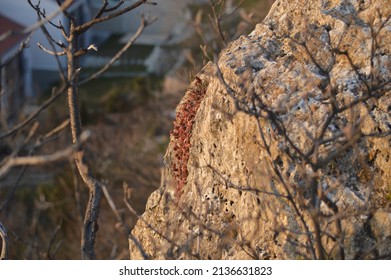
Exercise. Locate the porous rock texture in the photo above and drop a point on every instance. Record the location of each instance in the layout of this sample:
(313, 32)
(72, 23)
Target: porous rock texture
(289, 150)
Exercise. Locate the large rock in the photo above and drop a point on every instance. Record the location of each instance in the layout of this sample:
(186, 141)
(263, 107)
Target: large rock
(283, 150)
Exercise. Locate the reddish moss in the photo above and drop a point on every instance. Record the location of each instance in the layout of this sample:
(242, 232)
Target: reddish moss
(182, 132)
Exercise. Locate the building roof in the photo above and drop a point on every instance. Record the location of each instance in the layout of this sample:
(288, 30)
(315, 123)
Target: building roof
(7, 24)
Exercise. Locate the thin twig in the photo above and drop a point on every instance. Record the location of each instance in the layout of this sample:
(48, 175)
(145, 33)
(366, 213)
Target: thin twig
(22, 46)
(111, 203)
(56, 94)
(5, 241)
(54, 53)
(63, 7)
(51, 252)
(43, 159)
(104, 8)
(117, 56)
(84, 27)
(51, 41)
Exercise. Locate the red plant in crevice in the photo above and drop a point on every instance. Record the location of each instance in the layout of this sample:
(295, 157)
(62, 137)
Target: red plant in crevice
(182, 132)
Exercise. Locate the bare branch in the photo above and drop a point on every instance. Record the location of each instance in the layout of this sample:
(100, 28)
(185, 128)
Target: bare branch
(69, 82)
(51, 41)
(63, 7)
(84, 51)
(4, 246)
(216, 22)
(111, 203)
(56, 94)
(43, 159)
(7, 34)
(47, 137)
(57, 129)
(103, 8)
(30, 29)
(51, 252)
(84, 27)
(22, 46)
(54, 53)
(143, 24)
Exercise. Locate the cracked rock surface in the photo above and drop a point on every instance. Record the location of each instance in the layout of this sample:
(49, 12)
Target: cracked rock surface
(289, 153)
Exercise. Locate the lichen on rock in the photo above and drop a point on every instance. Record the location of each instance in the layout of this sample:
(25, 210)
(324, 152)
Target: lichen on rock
(289, 151)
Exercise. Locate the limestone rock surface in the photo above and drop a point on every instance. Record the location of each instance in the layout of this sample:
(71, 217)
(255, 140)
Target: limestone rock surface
(287, 152)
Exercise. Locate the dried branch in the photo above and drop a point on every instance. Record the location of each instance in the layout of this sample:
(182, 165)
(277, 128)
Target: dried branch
(41, 140)
(52, 250)
(43, 159)
(84, 51)
(54, 53)
(84, 27)
(57, 129)
(90, 224)
(52, 42)
(55, 95)
(7, 34)
(215, 19)
(22, 143)
(30, 29)
(119, 218)
(70, 82)
(12, 191)
(243, 188)
(4, 244)
(63, 7)
(117, 56)
(23, 45)
(272, 118)
(104, 8)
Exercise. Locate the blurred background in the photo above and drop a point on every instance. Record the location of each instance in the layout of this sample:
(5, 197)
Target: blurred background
(129, 110)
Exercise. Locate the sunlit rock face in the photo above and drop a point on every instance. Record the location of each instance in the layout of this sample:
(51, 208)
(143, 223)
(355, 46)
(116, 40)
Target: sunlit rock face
(287, 152)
